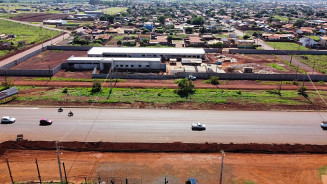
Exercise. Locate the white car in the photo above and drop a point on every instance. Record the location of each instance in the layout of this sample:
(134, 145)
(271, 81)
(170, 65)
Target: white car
(198, 126)
(8, 119)
(323, 125)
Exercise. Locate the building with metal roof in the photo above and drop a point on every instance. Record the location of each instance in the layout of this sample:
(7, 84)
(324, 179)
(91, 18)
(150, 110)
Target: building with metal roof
(145, 52)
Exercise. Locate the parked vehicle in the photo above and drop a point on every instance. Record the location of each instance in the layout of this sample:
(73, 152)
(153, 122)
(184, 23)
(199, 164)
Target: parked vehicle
(323, 125)
(8, 119)
(45, 121)
(191, 77)
(191, 181)
(70, 113)
(198, 126)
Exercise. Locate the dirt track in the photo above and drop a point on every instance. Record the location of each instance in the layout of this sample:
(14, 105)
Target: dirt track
(153, 167)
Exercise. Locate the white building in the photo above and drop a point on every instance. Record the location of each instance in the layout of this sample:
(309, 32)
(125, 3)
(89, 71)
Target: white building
(54, 22)
(143, 52)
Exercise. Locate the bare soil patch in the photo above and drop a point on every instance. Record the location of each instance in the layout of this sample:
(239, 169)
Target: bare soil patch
(38, 17)
(49, 58)
(153, 167)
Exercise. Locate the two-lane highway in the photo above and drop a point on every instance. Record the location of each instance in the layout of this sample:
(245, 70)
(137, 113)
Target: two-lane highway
(144, 125)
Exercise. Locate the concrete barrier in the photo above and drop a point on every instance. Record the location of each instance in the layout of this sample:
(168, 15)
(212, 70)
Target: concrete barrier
(75, 48)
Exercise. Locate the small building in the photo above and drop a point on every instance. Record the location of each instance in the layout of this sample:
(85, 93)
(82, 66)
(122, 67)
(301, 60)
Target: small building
(148, 25)
(55, 22)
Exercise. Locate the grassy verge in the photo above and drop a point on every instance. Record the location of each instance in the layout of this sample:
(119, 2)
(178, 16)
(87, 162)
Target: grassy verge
(286, 46)
(322, 171)
(168, 96)
(318, 61)
(73, 79)
(276, 66)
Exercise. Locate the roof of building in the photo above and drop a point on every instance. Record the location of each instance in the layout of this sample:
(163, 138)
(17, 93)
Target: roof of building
(145, 50)
(110, 59)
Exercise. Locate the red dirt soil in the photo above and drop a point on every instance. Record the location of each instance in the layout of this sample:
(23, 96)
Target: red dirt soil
(49, 58)
(38, 17)
(153, 167)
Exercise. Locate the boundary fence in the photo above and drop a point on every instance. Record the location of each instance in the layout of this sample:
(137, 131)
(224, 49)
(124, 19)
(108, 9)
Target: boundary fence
(6, 71)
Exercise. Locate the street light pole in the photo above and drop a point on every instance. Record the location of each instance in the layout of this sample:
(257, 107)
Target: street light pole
(222, 165)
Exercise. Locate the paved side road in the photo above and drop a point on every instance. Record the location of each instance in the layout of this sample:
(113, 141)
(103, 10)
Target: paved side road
(160, 126)
(295, 61)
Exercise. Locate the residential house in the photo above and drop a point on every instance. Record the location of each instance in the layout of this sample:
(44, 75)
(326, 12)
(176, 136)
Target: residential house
(305, 30)
(194, 41)
(307, 42)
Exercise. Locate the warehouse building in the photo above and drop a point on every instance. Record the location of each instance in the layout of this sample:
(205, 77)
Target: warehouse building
(119, 64)
(142, 52)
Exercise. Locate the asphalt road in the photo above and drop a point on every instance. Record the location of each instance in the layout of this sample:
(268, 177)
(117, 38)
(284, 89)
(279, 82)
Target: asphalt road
(142, 125)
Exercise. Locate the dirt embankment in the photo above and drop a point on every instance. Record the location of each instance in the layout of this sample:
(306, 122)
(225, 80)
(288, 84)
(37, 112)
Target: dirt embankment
(165, 147)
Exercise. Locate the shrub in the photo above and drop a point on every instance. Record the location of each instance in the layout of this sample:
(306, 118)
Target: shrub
(65, 90)
(301, 90)
(8, 83)
(239, 92)
(96, 87)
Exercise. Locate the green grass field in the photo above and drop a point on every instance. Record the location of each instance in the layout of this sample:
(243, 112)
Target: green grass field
(319, 61)
(29, 34)
(168, 96)
(286, 46)
(276, 66)
(281, 18)
(114, 10)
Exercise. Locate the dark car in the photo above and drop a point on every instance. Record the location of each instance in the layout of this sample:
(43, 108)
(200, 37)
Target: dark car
(323, 125)
(45, 121)
(191, 181)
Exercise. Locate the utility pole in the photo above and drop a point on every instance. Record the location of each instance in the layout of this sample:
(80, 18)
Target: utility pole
(166, 181)
(59, 163)
(222, 165)
(66, 180)
(38, 171)
(313, 68)
(291, 59)
(12, 179)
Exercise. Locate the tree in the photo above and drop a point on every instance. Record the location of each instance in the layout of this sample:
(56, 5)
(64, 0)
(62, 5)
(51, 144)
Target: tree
(214, 80)
(144, 42)
(109, 18)
(161, 19)
(188, 30)
(255, 34)
(245, 37)
(198, 21)
(96, 87)
(299, 23)
(169, 38)
(217, 45)
(119, 42)
(186, 88)
(202, 30)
